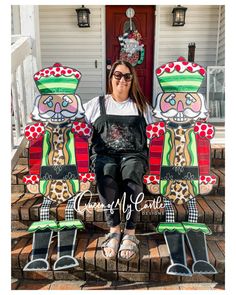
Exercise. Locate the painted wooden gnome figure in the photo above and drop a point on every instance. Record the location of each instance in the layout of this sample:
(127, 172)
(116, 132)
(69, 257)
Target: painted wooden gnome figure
(58, 163)
(180, 162)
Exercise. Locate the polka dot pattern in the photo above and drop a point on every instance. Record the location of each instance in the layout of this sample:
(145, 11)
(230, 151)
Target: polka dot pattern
(31, 179)
(82, 129)
(207, 179)
(84, 177)
(57, 70)
(154, 179)
(203, 179)
(204, 130)
(155, 130)
(34, 131)
(181, 65)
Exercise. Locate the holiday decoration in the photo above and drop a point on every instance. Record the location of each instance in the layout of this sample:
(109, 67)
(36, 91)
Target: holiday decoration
(58, 163)
(180, 162)
(132, 48)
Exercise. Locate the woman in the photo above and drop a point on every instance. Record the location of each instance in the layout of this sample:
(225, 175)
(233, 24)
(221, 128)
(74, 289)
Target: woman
(120, 153)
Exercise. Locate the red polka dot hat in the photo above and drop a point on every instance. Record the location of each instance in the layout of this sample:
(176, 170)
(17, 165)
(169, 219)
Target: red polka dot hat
(57, 79)
(180, 76)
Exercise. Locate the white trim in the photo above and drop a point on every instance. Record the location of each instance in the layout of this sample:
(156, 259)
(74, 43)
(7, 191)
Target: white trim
(16, 19)
(218, 35)
(29, 17)
(103, 27)
(156, 51)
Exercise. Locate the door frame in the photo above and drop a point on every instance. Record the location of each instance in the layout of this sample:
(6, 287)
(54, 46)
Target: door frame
(103, 29)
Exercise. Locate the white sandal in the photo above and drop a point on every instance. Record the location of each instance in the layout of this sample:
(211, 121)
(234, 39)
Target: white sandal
(108, 244)
(132, 247)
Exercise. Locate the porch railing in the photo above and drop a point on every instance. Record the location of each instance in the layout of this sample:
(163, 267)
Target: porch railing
(23, 65)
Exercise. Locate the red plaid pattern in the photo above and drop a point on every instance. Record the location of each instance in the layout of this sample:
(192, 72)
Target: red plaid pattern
(81, 153)
(35, 155)
(155, 155)
(204, 152)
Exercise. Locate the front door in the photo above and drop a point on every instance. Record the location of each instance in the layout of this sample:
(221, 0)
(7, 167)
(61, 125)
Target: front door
(118, 25)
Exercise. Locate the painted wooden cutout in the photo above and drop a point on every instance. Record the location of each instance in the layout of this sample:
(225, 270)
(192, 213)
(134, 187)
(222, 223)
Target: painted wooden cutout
(58, 162)
(179, 161)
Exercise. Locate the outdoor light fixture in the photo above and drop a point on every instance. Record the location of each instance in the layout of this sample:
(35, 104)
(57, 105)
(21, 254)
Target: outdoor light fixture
(179, 16)
(83, 17)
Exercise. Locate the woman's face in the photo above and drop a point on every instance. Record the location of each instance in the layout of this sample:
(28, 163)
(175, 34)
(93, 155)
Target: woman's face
(121, 84)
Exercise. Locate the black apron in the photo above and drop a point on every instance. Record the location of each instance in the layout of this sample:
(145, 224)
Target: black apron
(119, 144)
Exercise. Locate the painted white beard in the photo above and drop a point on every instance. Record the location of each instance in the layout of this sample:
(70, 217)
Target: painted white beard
(57, 117)
(179, 116)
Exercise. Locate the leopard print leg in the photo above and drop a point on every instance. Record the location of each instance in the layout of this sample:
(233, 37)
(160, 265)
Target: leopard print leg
(192, 210)
(169, 211)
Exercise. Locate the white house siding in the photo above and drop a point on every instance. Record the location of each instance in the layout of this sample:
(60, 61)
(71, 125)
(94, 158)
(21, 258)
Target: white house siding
(63, 41)
(221, 42)
(171, 42)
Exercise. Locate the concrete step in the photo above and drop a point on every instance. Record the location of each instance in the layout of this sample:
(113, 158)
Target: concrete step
(150, 264)
(110, 285)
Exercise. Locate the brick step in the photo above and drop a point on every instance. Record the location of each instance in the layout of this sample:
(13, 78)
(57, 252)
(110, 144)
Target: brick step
(21, 170)
(150, 265)
(17, 235)
(25, 210)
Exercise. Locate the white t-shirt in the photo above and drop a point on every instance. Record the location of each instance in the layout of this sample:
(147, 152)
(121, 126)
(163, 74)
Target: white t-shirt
(125, 108)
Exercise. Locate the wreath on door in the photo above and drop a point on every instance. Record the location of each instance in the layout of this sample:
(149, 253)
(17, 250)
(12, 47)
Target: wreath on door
(132, 47)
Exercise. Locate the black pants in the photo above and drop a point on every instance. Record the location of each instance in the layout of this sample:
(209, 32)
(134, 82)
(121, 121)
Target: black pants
(116, 178)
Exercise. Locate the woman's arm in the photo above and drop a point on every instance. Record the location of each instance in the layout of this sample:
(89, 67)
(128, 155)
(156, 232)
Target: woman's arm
(148, 115)
(92, 110)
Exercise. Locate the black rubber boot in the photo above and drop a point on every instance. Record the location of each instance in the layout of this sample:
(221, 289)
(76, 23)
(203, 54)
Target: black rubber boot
(175, 243)
(198, 248)
(65, 249)
(40, 247)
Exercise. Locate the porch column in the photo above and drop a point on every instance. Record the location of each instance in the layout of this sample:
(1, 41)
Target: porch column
(29, 18)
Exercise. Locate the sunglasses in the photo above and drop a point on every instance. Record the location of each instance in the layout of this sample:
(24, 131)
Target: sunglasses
(118, 76)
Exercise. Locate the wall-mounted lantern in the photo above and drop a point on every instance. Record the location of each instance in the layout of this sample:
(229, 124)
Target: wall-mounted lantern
(83, 17)
(179, 16)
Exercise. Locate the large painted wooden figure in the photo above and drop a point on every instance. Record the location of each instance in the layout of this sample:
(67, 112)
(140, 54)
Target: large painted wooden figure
(58, 163)
(180, 161)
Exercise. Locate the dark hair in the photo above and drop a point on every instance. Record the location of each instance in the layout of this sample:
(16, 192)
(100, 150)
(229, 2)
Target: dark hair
(135, 92)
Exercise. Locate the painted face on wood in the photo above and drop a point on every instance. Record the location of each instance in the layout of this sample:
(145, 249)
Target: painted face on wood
(180, 107)
(57, 108)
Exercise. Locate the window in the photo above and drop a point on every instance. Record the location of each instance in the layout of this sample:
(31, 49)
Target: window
(216, 93)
